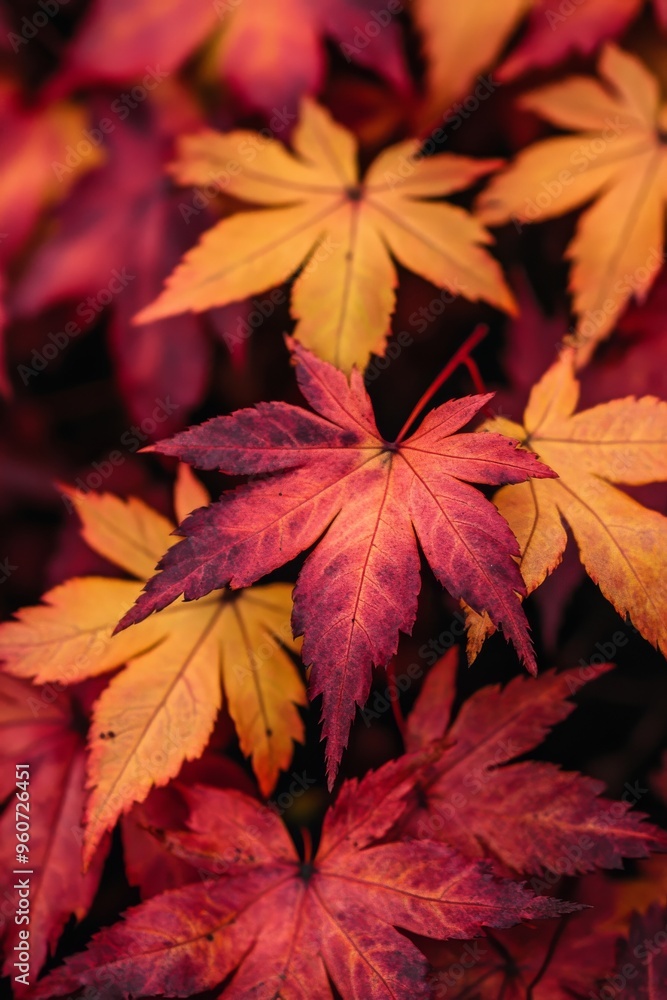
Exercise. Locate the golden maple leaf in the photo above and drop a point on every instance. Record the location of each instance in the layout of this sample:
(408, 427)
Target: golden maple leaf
(161, 709)
(618, 160)
(622, 544)
(338, 232)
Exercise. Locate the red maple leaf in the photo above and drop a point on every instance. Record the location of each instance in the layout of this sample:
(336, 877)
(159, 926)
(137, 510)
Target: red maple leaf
(147, 865)
(270, 54)
(331, 478)
(545, 961)
(281, 924)
(42, 728)
(114, 253)
(530, 816)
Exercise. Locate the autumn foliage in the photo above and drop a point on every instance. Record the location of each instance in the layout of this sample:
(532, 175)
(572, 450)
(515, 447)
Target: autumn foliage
(333, 344)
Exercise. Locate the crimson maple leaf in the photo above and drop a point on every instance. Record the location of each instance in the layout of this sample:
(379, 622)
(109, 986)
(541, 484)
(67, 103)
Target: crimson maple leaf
(45, 743)
(270, 54)
(333, 479)
(545, 961)
(529, 816)
(283, 925)
(115, 252)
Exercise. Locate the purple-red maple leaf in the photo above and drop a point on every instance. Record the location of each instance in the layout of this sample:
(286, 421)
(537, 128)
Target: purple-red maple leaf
(114, 252)
(529, 816)
(44, 737)
(332, 479)
(282, 926)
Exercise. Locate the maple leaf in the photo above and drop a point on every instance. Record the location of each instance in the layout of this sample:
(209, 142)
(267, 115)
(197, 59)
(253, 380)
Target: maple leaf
(119, 40)
(555, 31)
(147, 864)
(271, 55)
(283, 925)
(117, 252)
(161, 710)
(459, 41)
(42, 728)
(338, 232)
(618, 158)
(333, 478)
(530, 815)
(621, 543)
(541, 962)
(30, 139)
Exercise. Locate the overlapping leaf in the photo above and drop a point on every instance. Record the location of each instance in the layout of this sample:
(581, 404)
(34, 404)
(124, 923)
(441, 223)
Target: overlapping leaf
(332, 478)
(556, 30)
(282, 926)
(116, 252)
(161, 710)
(30, 140)
(43, 728)
(147, 865)
(530, 816)
(622, 544)
(272, 54)
(120, 40)
(339, 233)
(618, 158)
(269, 54)
(542, 962)
(461, 40)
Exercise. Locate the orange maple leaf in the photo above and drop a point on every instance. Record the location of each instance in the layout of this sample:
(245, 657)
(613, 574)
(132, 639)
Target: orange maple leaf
(618, 158)
(461, 40)
(161, 710)
(622, 544)
(337, 232)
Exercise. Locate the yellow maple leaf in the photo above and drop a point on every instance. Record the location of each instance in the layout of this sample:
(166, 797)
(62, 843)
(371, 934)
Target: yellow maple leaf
(461, 40)
(622, 544)
(618, 160)
(161, 709)
(339, 233)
